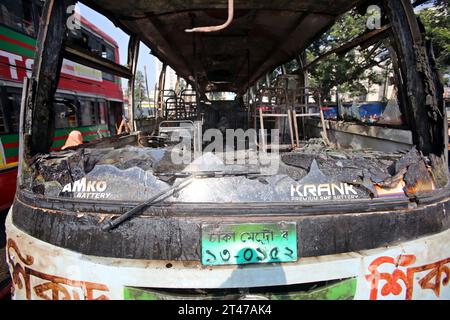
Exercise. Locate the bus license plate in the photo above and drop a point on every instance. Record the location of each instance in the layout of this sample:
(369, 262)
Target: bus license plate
(224, 244)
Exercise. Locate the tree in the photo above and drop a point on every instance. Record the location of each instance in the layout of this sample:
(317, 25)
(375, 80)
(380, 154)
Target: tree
(140, 92)
(139, 87)
(352, 72)
(436, 21)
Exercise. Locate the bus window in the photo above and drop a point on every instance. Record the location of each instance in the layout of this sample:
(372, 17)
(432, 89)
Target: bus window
(108, 53)
(104, 53)
(17, 14)
(103, 112)
(95, 45)
(2, 122)
(11, 109)
(65, 115)
(89, 112)
(108, 76)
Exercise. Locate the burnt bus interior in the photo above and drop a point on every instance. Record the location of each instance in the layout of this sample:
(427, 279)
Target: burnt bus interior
(71, 109)
(397, 173)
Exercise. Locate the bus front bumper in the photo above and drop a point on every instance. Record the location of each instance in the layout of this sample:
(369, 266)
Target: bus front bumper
(417, 269)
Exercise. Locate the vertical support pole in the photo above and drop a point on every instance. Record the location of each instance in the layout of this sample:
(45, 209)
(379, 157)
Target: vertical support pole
(291, 129)
(254, 98)
(161, 85)
(133, 54)
(46, 73)
(322, 119)
(302, 62)
(146, 86)
(155, 102)
(294, 117)
(198, 147)
(23, 131)
(263, 136)
(177, 86)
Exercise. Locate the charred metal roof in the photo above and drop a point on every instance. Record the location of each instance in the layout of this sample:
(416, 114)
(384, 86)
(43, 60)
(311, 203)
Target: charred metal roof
(262, 35)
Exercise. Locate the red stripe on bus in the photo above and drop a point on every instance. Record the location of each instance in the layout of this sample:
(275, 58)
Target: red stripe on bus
(18, 43)
(11, 145)
(12, 159)
(60, 138)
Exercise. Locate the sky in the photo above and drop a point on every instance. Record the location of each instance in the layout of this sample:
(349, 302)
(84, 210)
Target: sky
(145, 58)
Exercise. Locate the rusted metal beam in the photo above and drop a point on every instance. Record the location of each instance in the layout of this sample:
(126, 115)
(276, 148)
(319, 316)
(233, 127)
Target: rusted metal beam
(46, 72)
(294, 117)
(161, 85)
(423, 111)
(133, 54)
(92, 60)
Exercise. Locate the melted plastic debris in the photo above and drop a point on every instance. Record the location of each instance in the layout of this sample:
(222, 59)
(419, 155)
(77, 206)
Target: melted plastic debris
(207, 162)
(63, 168)
(136, 173)
(129, 157)
(213, 162)
(236, 189)
(350, 168)
(133, 184)
(232, 189)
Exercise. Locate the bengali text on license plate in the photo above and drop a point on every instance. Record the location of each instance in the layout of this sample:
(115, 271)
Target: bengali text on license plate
(249, 243)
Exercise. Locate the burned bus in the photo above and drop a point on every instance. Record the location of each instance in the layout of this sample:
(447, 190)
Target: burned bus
(242, 188)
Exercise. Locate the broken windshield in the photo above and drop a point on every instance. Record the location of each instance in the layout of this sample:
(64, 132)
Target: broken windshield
(314, 173)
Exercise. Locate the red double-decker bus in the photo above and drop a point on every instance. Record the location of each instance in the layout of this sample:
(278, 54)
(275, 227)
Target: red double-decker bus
(87, 100)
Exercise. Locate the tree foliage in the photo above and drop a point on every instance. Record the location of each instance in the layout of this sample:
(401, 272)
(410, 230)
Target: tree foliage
(140, 91)
(436, 21)
(352, 72)
(139, 87)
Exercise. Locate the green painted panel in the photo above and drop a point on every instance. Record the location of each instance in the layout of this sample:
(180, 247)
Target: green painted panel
(17, 36)
(342, 290)
(10, 151)
(9, 138)
(138, 294)
(14, 48)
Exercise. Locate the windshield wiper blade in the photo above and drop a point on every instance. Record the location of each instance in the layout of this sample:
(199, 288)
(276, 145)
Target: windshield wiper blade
(111, 224)
(208, 174)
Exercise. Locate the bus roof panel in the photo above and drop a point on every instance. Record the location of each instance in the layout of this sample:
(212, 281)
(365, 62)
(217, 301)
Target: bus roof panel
(262, 35)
